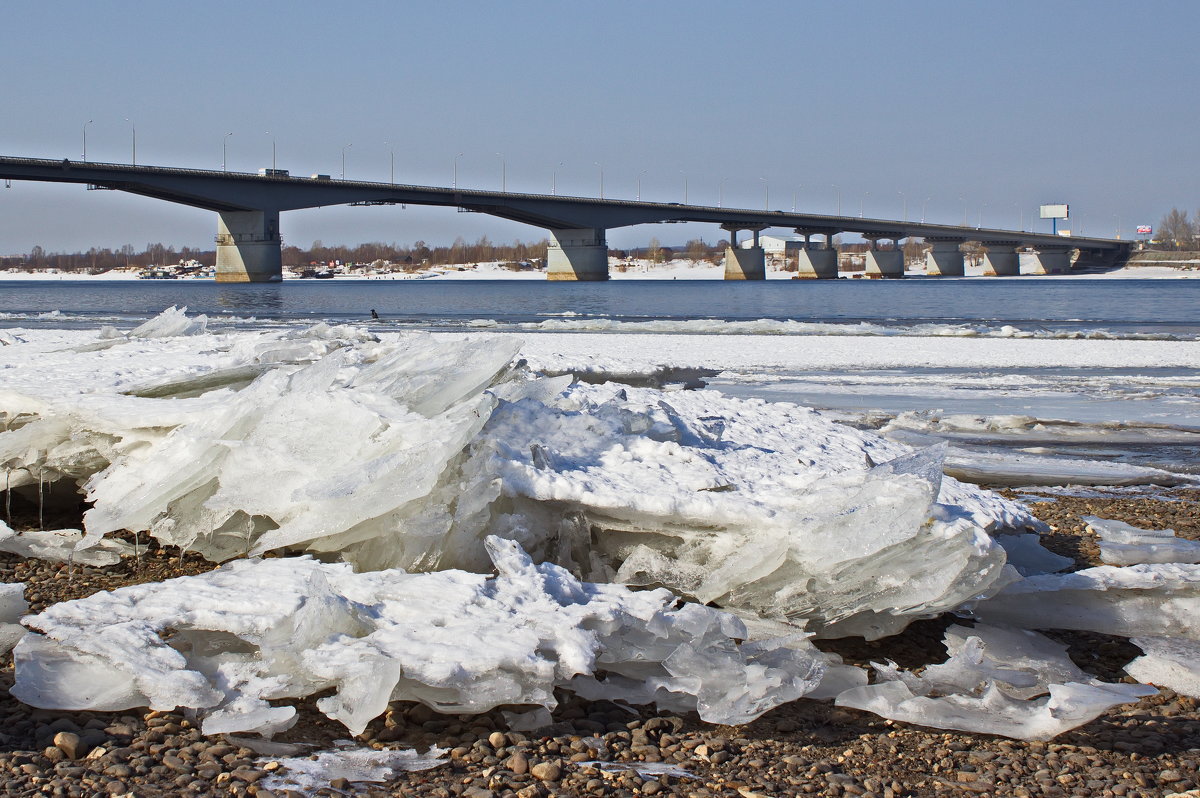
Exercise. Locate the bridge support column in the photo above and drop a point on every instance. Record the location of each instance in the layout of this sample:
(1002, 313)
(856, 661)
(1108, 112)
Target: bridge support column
(1001, 259)
(817, 264)
(944, 259)
(885, 264)
(1050, 260)
(744, 263)
(580, 254)
(248, 247)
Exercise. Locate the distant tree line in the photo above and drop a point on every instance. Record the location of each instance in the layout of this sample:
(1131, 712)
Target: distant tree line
(1177, 231)
(417, 254)
(96, 261)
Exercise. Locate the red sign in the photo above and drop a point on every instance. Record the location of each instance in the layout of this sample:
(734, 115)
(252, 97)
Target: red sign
(1145, 228)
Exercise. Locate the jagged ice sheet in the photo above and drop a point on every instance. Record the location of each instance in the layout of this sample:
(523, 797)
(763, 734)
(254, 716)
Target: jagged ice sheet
(228, 641)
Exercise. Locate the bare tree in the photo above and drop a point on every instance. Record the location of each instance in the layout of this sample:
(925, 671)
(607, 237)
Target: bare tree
(1175, 231)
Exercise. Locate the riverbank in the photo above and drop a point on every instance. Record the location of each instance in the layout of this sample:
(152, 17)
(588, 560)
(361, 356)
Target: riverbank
(629, 270)
(597, 748)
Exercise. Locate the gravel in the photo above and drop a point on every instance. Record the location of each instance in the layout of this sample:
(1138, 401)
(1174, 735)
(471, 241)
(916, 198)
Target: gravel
(1151, 748)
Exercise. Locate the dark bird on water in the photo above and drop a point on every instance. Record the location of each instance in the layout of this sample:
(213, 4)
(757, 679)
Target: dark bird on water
(374, 315)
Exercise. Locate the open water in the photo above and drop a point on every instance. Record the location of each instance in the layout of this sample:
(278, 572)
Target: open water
(1169, 308)
(1162, 404)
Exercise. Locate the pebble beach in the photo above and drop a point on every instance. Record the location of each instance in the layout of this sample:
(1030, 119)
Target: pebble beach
(807, 747)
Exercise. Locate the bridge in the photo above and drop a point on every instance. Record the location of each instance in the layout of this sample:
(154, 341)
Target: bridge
(249, 245)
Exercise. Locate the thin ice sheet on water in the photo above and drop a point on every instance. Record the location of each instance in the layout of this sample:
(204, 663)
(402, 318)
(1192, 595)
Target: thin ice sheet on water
(1010, 682)
(1125, 544)
(229, 641)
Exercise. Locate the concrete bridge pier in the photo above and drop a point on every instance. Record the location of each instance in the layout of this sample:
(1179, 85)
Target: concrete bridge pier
(579, 254)
(1050, 260)
(1001, 258)
(249, 247)
(816, 264)
(885, 264)
(744, 263)
(944, 258)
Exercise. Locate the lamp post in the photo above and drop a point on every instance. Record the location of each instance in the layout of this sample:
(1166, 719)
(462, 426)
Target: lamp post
(766, 192)
(133, 128)
(348, 146)
(685, 201)
(964, 202)
(224, 141)
(454, 181)
(839, 198)
(794, 196)
(924, 202)
(503, 173)
(905, 199)
(721, 192)
(601, 167)
(391, 163)
(85, 124)
(272, 135)
(861, 200)
(639, 185)
(554, 179)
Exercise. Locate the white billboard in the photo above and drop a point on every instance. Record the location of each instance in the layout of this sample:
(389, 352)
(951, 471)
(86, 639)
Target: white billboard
(1056, 211)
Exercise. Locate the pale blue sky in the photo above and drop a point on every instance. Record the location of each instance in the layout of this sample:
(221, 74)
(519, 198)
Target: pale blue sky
(1005, 105)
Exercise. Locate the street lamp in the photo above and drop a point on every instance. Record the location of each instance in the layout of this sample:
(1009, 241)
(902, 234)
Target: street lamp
(554, 179)
(794, 196)
(721, 192)
(639, 185)
(838, 189)
(860, 203)
(503, 173)
(964, 202)
(766, 192)
(923, 204)
(454, 182)
(272, 135)
(348, 146)
(224, 140)
(903, 197)
(391, 163)
(601, 166)
(85, 124)
(133, 127)
(685, 202)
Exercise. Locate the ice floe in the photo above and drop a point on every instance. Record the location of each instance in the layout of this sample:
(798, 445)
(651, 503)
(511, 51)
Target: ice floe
(229, 641)
(309, 774)
(408, 452)
(1124, 544)
(1160, 600)
(1168, 662)
(12, 607)
(997, 681)
(62, 545)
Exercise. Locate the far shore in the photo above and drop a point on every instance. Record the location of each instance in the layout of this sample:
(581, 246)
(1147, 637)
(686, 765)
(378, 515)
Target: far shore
(618, 270)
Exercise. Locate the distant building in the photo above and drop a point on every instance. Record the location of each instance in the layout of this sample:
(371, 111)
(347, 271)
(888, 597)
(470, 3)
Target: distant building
(778, 246)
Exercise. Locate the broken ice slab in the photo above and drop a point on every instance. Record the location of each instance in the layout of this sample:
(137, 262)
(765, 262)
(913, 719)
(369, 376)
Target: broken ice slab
(228, 642)
(1168, 662)
(307, 775)
(62, 545)
(1010, 682)
(1159, 600)
(1124, 544)
(12, 607)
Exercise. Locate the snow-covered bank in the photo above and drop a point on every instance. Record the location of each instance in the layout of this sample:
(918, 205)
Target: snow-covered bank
(620, 269)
